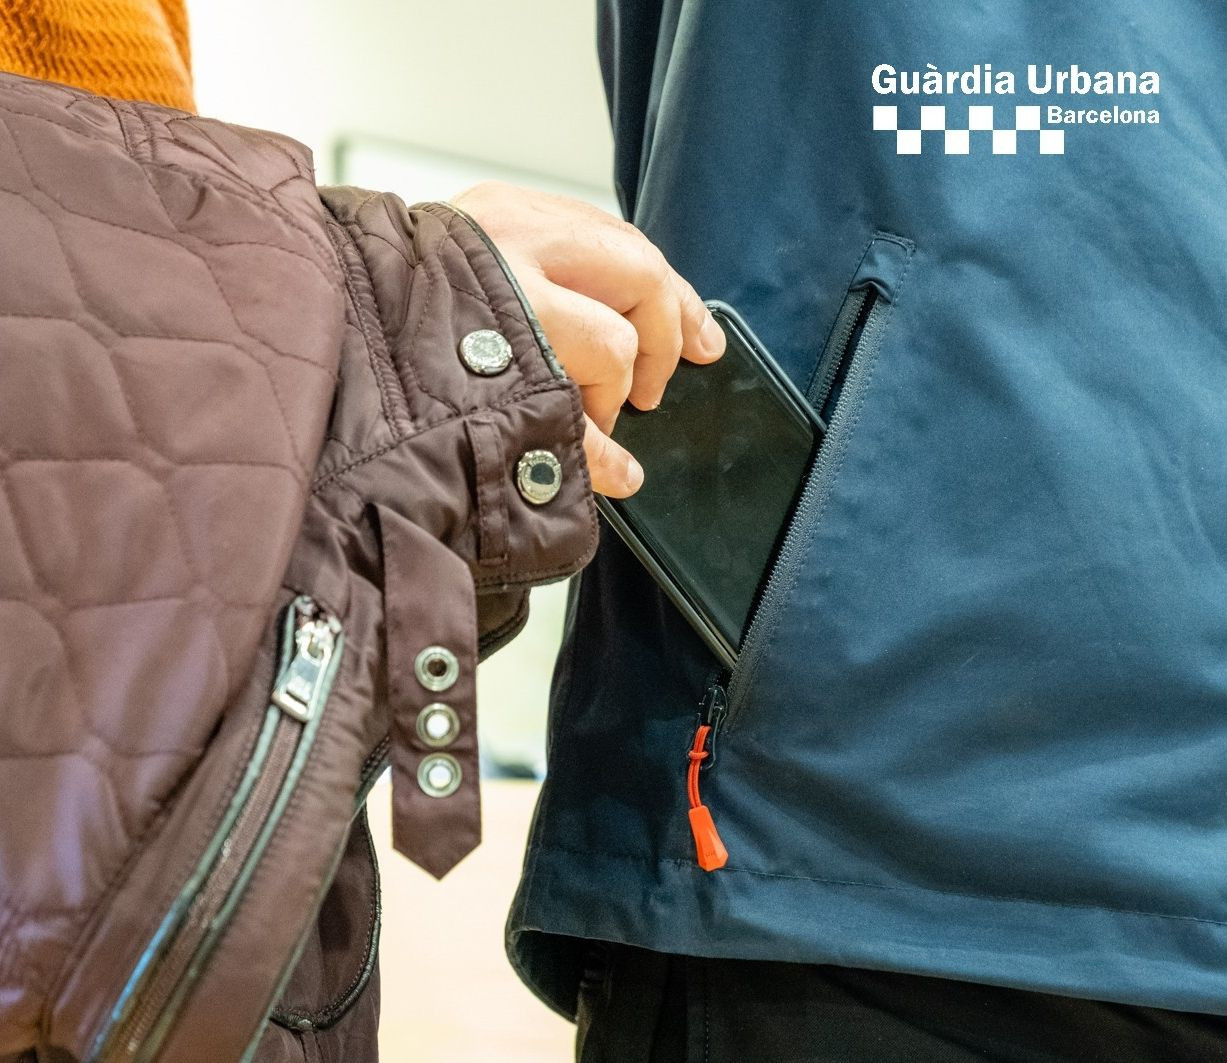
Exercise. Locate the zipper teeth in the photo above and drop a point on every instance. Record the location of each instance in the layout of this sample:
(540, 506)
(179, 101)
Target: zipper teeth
(851, 345)
(839, 353)
(869, 315)
(109, 1044)
(214, 890)
(851, 314)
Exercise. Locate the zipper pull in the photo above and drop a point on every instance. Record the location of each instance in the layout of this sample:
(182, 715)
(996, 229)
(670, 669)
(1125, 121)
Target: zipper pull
(709, 849)
(315, 638)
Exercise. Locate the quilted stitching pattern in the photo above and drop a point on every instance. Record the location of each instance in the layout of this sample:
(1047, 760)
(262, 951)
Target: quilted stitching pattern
(428, 279)
(163, 406)
(160, 416)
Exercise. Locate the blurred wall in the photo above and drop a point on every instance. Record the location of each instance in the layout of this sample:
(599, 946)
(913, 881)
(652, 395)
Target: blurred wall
(510, 81)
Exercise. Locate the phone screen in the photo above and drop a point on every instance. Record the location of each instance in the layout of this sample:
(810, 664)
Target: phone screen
(724, 457)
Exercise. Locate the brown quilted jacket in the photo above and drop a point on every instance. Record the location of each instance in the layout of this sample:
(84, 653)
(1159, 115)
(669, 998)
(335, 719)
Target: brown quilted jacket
(256, 515)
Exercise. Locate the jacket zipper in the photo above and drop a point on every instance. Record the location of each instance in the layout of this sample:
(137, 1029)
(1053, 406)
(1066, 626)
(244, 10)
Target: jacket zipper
(840, 371)
(854, 343)
(848, 325)
(709, 849)
(179, 950)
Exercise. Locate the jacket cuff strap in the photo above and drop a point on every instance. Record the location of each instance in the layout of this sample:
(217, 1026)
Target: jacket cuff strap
(430, 613)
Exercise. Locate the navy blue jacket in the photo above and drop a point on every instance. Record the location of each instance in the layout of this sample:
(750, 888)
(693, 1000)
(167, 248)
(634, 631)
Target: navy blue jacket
(979, 725)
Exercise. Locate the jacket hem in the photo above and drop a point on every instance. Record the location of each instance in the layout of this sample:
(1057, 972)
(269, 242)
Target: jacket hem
(569, 897)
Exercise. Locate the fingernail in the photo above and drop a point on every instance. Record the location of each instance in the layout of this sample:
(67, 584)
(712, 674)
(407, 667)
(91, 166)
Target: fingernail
(634, 475)
(711, 335)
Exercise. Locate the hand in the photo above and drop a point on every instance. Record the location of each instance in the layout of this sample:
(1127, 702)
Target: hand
(613, 309)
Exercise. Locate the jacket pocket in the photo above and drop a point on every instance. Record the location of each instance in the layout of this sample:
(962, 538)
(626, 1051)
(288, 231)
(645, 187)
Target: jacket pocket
(339, 957)
(836, 390)
(161, 987)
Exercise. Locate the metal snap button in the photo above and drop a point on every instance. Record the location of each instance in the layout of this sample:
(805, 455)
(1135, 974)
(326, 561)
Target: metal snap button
(439, 775)
(438, 725)
(485, 352)
(436, 668)
(539, 476)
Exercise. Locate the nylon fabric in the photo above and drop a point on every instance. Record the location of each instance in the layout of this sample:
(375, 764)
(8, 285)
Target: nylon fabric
(980, 734)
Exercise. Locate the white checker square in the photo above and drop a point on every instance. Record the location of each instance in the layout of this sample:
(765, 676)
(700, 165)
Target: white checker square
(907, 142)
(886, 118)
(980, 117)
(958, 142)
(1005, 142)
(933, 118)
(1052, 141)
(1026, 118)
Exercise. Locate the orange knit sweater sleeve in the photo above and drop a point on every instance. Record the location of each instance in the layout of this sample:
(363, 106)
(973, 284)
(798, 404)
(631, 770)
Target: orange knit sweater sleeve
(132, 49)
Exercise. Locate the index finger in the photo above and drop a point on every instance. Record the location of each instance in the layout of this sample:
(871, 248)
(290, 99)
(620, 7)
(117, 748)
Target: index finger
(614, 263)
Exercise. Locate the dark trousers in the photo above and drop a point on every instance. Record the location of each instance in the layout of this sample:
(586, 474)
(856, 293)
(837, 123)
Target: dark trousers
(644, 1007)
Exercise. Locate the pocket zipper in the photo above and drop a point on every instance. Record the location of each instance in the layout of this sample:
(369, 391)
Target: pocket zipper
(176, 956)
(849, 324)
(842, 372)
(709, 849)
(857, 332)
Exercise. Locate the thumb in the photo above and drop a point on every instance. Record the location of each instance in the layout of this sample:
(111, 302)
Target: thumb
(614, 472)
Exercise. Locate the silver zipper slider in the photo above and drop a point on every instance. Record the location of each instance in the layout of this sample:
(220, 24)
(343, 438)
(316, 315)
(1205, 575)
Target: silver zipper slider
(315, 638)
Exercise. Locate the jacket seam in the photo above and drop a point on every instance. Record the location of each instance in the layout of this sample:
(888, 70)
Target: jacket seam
(327, 1016)
(276, 389)
(492, 527)
(496, 638)
(240, 187)
(150, 140)
(422, 270)
(1019, 898)
(847, 293)
(545, 387)
(202, 126)
(902, 241)
(514, 577)
(453, 216)
(85, 930)
(221, 293)
(119, 122)
(456, 286)
(91, 330)
(377, 363)
(771, 633)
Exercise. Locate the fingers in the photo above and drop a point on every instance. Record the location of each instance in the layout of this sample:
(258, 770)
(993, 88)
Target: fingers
(614, 263)
(596, 346)
(629, 355)
(612, 469)
(658, 328)
(617, 314)
(702, 338)
(587, 250)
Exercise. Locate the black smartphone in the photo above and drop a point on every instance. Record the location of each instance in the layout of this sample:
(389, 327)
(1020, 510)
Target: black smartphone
(724, 456)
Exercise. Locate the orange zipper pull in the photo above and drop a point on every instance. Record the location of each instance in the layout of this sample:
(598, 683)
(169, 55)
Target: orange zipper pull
(709, 848)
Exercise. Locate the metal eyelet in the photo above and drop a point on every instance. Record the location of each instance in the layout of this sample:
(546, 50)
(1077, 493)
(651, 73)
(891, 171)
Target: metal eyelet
(439, 775)
(438, 725)
(436, 668)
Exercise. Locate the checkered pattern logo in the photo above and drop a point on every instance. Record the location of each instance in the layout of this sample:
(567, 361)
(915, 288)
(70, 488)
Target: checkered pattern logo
(980, 120)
